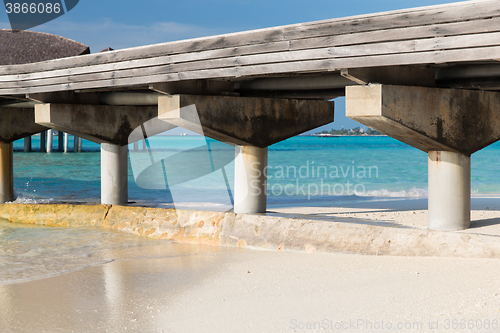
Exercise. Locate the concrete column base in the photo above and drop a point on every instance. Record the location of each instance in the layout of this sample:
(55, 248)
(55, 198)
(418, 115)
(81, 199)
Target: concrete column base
(27, 144)
(50, 136)
(114, 174)
(65, 142)
(6, 172)
(449, 190)
(250, 180)
(42, 141)
(60, 139)
(77, 144)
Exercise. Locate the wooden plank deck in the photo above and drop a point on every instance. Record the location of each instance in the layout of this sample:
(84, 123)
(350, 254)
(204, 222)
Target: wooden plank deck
(454, 33)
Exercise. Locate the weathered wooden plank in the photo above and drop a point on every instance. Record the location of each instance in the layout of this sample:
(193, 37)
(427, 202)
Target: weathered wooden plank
(187, 57)
(242, 39)
(422, 58)
(368, 50)
(406, 18)
(477, 40)
(419, 58)
(115, 83)
(430, 57)
(386, 35)
(463, 11)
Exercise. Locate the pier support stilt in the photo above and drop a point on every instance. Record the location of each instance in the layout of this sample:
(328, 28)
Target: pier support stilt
(77, 144)
(136, 146)
(114, 167)
(60, 139)
(6, 172)
(50, 136)
(449, 190)
(27, 144)
(144, 146)
(449, 124)
(65, 142)
(42, 141)
(250, 180)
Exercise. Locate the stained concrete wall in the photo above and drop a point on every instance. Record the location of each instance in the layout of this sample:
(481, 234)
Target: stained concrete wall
(429, 119)
(245, 121)
(97, 123)
(258, 231)
(18, 123)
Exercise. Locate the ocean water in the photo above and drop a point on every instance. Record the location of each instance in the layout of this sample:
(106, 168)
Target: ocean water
(194, 171)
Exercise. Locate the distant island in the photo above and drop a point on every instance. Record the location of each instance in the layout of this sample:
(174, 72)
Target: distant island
(349, 132)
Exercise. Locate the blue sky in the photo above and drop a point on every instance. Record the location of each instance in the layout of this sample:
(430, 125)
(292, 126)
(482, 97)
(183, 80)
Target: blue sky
(127, 23)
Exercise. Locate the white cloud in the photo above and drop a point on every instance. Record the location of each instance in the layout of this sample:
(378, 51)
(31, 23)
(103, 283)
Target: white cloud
(108, 33)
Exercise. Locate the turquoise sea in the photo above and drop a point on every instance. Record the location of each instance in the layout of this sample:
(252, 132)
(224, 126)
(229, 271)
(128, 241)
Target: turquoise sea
(199, 173)
(301, 169)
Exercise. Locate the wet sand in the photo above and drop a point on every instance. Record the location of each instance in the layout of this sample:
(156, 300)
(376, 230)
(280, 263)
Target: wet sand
(188, 288)
(408, 213)
(169, 287)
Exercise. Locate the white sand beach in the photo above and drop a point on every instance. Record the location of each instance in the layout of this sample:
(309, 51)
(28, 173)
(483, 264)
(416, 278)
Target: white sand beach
(170, 287)
(229, 290)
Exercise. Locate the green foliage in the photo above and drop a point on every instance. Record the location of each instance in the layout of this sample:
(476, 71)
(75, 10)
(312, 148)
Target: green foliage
(354, 131)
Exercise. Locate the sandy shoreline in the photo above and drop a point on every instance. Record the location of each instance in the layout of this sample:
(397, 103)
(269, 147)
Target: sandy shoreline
(211, 289)
(376, 227)
(201, 288)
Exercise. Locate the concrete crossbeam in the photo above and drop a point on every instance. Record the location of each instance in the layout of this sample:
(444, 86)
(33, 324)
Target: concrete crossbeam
(251, 124)
(430, 119)
(245, 121)
(111, 126)
(97, 123)
(448, 124)
(17, 124)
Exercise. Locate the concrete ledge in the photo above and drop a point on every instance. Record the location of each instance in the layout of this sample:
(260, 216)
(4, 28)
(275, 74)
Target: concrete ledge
(258, 231)
(430, 119)
(97, 123)
(245, 121)
(18, 123)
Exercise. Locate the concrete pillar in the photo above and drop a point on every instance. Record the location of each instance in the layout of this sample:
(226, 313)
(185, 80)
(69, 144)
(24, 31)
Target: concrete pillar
(114, 167)
(237, 120)
(27, 144)
(60, 138)
(136, 146)
(6, 172)
(449, 124)
(75, 144)
(449, 190)
(144, 146)
(80, 142)
(65, 142)
(50, 136)
(250, 180)
(42, 141)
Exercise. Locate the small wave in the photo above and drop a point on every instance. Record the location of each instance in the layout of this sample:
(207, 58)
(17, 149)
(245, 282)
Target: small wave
(24, 200)
(43, 273)
(201, 204)
(414, 192)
